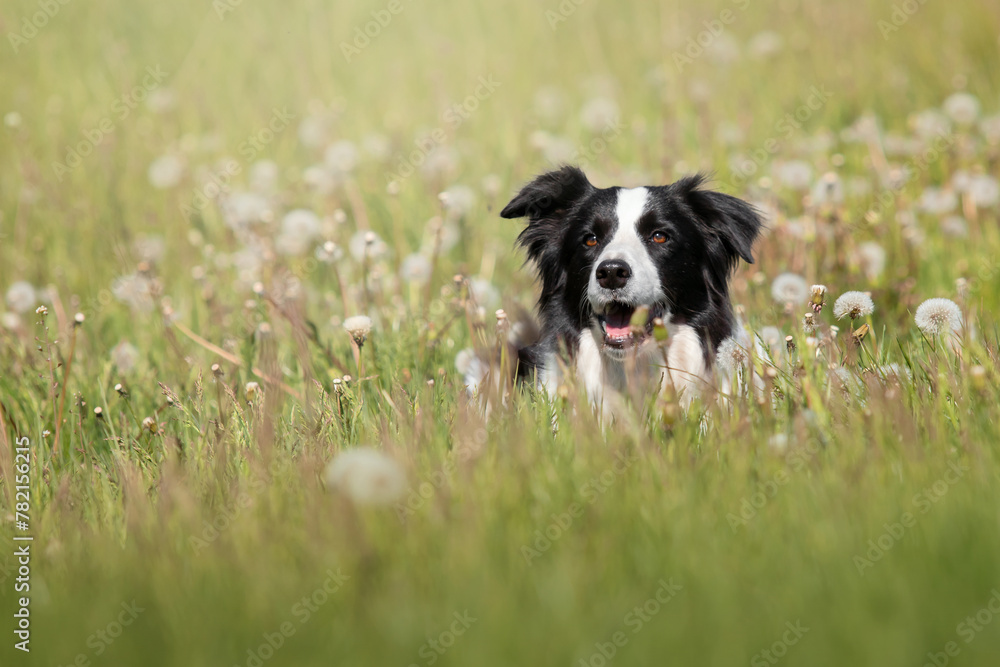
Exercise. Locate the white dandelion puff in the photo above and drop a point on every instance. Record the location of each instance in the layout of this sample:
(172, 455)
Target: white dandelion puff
(984, 190)
(936, 317)
(937, 201)
(10, 321)
(790, 288)
(264, 176)
(299, 228)
(165, 172)
(244, 208)
(550, 104)
(366, 477)
(124, 356)
(149, 248)
(358, 326)
(930, 124)
(21, 297)
(898, 372)
(484, 293)
(377, 146)
(963, 108)
(794, 174)
(458, 200)
(416, 268)
(599, 113)
(341, 157)
(854, 305)
(366, 244)
(731, 356)
(765, 44)
(871, 257)
(135, 290)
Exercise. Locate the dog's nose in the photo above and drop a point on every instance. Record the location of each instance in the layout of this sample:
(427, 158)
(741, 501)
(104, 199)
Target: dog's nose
(613, 273)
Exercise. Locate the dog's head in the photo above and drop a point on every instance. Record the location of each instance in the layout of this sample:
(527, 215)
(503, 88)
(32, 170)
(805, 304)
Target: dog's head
(603, 253)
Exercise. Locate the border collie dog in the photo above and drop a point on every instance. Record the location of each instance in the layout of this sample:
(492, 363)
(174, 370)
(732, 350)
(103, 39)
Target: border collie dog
(602, 253)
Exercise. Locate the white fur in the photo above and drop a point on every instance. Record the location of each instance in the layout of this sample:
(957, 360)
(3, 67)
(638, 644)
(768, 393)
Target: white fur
(686, 363)
(550, 375)
(643, 289)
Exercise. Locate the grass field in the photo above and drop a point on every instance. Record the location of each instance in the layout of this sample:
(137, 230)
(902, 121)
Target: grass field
(216, 188)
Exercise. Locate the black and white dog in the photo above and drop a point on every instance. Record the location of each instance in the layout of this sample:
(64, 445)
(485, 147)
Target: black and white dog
(602, 253)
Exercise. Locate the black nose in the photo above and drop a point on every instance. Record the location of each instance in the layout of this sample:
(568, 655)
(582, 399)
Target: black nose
(613, 273)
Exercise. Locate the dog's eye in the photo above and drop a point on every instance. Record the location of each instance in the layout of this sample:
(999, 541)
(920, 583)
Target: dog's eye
(590, 240)
(658, 237)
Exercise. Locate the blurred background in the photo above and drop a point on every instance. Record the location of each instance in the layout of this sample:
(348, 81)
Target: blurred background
(217, 186)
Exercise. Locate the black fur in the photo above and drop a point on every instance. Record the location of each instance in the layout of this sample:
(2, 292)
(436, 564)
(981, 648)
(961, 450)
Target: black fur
(707, 234)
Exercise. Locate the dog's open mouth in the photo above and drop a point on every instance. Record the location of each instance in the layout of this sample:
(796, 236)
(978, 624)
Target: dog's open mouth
(619, 329)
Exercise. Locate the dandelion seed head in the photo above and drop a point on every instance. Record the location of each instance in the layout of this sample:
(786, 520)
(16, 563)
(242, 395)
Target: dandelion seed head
(165, 172)
(963, 108)
(731, 356)
(366, 476)
(416, 268)
(366, 244)
(790, 288)
(341, 157)
(936, 317)
(599, 113)
(358, 326)
(853, 305)
(871, 257)
(794, 174)
(21, 296)
(124, 356)
(984, 190)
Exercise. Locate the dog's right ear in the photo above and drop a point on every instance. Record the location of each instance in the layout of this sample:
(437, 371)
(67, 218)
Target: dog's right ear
(549, 195)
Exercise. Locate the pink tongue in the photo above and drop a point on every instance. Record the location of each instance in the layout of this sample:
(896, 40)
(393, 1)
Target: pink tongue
(618, 332)
(617, 323)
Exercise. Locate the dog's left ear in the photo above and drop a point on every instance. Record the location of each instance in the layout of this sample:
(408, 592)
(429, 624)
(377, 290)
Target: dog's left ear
(735, 223)
(548, 194)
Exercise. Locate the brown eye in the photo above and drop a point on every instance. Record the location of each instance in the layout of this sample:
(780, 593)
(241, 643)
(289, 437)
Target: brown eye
(659, 237)
(590, 240)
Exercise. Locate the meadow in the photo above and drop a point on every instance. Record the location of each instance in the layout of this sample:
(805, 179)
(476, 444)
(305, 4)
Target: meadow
(250, 268)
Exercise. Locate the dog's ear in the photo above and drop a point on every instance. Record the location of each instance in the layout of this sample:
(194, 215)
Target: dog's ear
(732, 222)
(548, 195)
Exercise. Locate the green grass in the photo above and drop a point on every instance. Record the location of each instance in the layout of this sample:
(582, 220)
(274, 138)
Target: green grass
(868, 515)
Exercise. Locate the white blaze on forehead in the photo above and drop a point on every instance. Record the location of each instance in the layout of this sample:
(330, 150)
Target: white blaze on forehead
(631, 204)
(643, 288)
